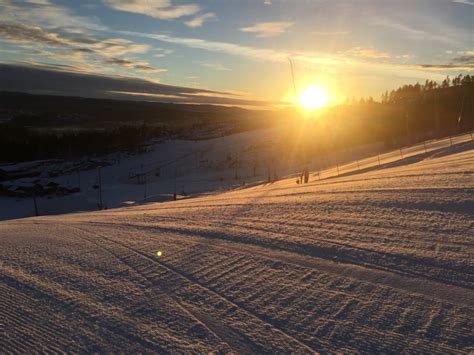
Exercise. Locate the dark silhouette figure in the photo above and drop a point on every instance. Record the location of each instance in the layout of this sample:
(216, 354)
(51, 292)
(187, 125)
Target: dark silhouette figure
(304, 178)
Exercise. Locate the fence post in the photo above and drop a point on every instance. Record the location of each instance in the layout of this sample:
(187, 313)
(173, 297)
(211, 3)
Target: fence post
(424, 145)
(401, 153)
(378, 158)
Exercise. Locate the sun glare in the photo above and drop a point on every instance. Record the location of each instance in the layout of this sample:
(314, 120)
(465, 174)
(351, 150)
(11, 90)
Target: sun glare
(313, 97)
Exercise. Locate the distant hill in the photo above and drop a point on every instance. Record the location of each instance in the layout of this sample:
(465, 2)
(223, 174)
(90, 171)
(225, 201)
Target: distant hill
(47, 126)
(111, 110)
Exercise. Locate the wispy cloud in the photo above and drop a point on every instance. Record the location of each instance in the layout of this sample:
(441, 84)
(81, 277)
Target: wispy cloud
(254, 53)
(268, 29)
(216, 46)
(463, 62)
(215, 66)
(44, 13)
(22, 33)
(162, 9)
(336, 61)
(465, 2)
(198, 21)
(370, 53)
(330, 33)
(359, 55)
(437, 32)
(405, 58)
(445, 67)
(54, 33)
(38, 2)
(162, 52)
(466, 57)
(138, 65)
(75, 46)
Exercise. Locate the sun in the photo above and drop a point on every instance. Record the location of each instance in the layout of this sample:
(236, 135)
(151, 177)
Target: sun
(313, 97)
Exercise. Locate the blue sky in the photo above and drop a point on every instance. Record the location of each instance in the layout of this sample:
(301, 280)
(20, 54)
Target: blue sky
(240, 48)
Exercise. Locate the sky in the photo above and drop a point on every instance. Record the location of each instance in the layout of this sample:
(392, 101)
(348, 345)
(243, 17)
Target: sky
(231, 51)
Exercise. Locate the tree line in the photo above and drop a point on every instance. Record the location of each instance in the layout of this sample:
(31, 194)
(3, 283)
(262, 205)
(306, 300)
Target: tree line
(19, 143)
(410, 91)
(404, 116)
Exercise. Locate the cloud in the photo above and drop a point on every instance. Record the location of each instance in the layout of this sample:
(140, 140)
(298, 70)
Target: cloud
(335, 62)
(215, 66)
(38, 2)
(268, 29)
(132, 64)
(44, 13)
(444, 67)
(60, 80)
(271, 55)
(435, 31)
(75, 46)
(463, 62)
(367, 53)
(162, 9)
(333, 33)
(405, 56)
(255, 53)
(162, 52)
(215, 46)
(199, 20)
(467, 57)
(465, 2)
(22, 33)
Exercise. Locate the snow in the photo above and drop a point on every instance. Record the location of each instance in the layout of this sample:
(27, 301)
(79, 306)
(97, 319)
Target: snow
(203, 166)
(374, 261)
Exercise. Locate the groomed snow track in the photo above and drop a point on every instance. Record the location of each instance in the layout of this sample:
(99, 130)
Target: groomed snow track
(379, 262)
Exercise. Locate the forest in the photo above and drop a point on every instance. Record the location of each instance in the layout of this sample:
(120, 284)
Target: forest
(43, 127)
(403, 116)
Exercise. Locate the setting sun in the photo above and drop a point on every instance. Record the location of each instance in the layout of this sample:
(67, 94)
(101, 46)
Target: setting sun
(313, 98)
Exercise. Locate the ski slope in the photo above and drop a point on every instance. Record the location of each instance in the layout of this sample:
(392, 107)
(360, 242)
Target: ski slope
(188, 168)
(379, 261)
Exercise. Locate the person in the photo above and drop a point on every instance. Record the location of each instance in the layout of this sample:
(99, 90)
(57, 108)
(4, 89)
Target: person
(305, 174)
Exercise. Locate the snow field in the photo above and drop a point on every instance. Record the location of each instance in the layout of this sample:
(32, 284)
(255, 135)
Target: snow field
(379, 262)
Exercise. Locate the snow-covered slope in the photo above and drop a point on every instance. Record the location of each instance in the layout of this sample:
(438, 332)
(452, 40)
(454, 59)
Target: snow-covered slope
(379, 262)
(184, 167)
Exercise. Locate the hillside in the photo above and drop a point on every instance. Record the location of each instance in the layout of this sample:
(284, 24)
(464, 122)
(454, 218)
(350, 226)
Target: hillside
(375, 262)
(38, 127)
